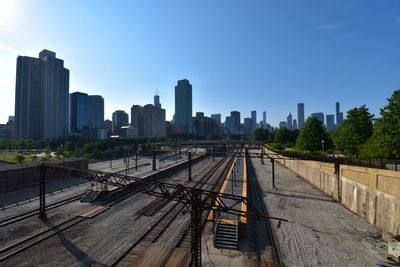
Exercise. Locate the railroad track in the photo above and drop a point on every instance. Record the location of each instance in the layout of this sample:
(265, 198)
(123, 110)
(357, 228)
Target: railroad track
(37, 238)
(257, 200)
(136, 250)
(25, 215)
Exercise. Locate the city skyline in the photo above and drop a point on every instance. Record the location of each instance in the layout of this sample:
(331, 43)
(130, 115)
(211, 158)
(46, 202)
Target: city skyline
(314, 49)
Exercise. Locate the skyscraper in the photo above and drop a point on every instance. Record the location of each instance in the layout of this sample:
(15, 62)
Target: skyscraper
(216, 117)
(300, 115)
(289, 121)
(137, 119)
(95, 111)
(28, 98)
(330, 122)
(236, 116)
(248, 126)
(339, 115)
(55, 110)
(78, 111)
(295, 124)
(265, 119)
(41, 97)
(119, 119)
(318, 115)
(183, 106)
(254, 119)
(157, 103)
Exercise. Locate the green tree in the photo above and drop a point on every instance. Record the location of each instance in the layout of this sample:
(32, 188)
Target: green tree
(371, 149)
(47, 151)
(260, 134)
(59, 152)
(311, 135)
(34, 157)
(19, 158)
(387, 130)
(353, 131)
(282, 136)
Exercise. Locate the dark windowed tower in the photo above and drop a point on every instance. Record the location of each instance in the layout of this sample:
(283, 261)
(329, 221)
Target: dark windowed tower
(183, 106)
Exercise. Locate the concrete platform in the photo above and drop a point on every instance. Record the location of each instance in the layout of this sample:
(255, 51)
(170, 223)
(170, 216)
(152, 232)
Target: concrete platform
(320, 231)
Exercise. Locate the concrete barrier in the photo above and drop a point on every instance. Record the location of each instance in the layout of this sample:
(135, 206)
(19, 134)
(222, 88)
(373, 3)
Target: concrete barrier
(373, 194)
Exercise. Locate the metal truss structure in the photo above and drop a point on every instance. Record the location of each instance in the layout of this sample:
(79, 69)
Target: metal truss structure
(196, 200)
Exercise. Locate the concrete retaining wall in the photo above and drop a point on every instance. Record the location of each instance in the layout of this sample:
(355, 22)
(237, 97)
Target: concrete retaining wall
(373, 194)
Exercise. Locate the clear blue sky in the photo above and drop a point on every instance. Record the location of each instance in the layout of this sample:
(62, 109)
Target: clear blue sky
(238, 55)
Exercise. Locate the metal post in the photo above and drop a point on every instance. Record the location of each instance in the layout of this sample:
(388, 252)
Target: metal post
(190, 166)
(111, 163)
(273, 172)
(42, 194)
(262, 157)
(136, 160)
(195, 214)
(154, 161)
(180, 152)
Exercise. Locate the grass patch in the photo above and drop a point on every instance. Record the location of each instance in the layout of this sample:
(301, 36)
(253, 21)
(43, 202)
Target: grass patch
(9, 156)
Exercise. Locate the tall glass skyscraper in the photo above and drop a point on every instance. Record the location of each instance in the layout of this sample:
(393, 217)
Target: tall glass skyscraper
(95, 111)
(339, 115)
(254, 119)
(78, 111)
(41, 97)
(183, 106)
(300, 115)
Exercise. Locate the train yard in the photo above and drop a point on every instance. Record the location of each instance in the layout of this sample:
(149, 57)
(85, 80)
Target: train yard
(127, 227)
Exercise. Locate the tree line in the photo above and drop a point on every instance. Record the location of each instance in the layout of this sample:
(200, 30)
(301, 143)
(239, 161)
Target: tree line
(361, 134)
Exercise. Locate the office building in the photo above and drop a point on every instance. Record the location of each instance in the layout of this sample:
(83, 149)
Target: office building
(129, 131)
(289, 122)
(119, 119)
(339, 115)
(78, 111)
(216, 117)
(205, 126)
(137, 119)
(264, 119)
(153, 121)
(183, 106)
(108, 126)
(318, 115)
(10, 118)
(230, 124)
(95, 111)
(294, 126)
(157, 103)
(254, 119)
(236, 116)
(300, 115)
(330, 122)
(41, 97)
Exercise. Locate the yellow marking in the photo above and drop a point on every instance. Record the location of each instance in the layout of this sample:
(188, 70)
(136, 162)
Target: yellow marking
(211, 214)
(243, 219)
(90, 213)
(225, 221)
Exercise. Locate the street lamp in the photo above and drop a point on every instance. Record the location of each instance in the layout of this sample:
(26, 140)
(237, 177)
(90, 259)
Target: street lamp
(322, 142)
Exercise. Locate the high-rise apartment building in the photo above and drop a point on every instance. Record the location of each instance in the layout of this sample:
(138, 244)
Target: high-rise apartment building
(41, 97)
(78, 111)
(330, 122)
(95, 111)
(55, 110)
(254, 119)
(300, 115)
(236, 116)
(119, 119)
(319, 115)
(28, 122)
(289, 121)
(339, 115)
(183, 106)
(264, 119)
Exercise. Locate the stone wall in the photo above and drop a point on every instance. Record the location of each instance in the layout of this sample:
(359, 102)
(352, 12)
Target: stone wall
(373, 194)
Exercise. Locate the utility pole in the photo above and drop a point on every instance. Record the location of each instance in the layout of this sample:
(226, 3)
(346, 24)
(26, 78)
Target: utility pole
(273, 172)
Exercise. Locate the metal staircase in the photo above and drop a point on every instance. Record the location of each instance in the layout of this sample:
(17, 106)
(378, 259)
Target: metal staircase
(226, 234)
(90, 196)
